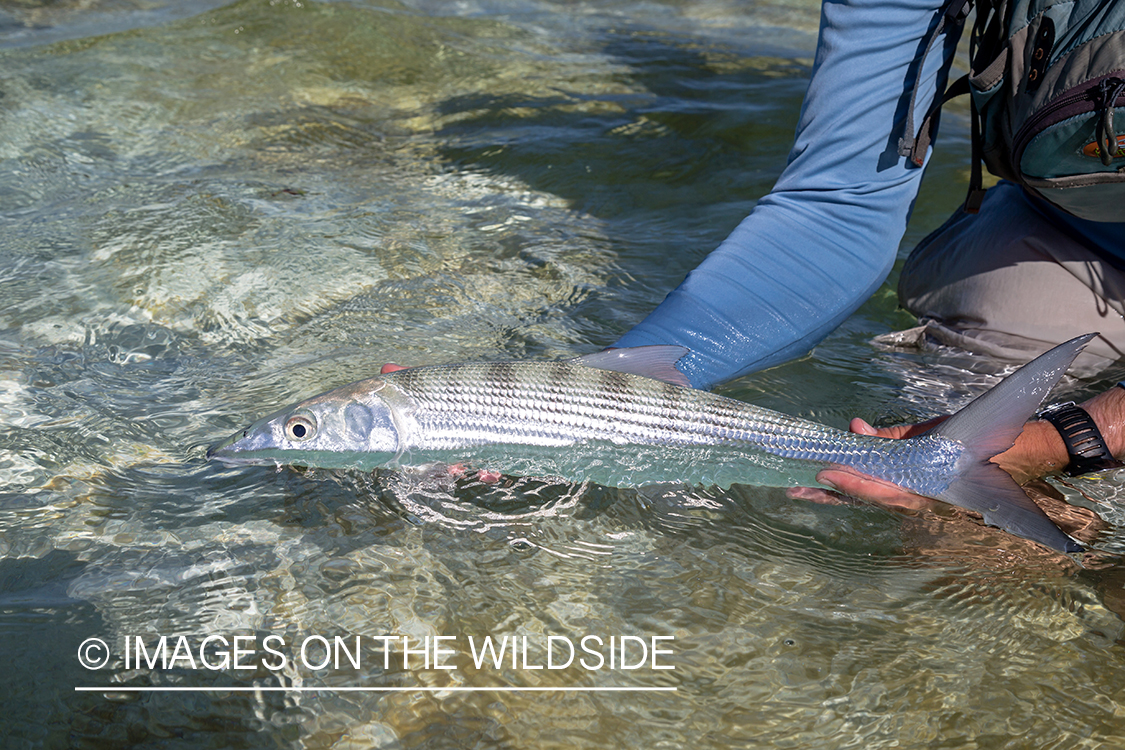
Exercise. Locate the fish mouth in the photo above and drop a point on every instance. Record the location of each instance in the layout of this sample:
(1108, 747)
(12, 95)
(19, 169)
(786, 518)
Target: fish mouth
(216, 450)
(220, 454)
(221, 451)
(215, 453)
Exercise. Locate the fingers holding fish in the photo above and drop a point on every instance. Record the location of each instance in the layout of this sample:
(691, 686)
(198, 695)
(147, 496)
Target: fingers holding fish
(852, 483)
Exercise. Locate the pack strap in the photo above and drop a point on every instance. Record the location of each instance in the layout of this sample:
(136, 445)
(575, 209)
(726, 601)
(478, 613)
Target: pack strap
(929, 127)
(976, 178)
(917, 152)
(1108, 91)
(953, 13)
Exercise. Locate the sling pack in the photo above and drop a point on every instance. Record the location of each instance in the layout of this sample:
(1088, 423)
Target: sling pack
(1047, 81)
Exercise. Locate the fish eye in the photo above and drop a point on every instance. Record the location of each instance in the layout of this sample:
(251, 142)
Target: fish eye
(300, 428)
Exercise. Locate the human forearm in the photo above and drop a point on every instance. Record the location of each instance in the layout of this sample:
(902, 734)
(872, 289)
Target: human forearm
(771, 291)
(825, 238)
(1040, 450)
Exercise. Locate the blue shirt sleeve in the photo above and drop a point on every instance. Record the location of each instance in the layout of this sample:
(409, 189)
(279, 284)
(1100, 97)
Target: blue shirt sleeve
(826, 236)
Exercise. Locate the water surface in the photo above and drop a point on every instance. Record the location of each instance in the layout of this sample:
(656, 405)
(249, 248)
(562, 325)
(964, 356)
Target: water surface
(210, 210)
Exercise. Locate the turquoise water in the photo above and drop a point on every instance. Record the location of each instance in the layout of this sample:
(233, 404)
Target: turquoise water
(211, 210)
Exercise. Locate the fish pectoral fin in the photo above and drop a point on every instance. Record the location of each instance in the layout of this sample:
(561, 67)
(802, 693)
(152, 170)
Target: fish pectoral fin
(657, 362)
(989, 490)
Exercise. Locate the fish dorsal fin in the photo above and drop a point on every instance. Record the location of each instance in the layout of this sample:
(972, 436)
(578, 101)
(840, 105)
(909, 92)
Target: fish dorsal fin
(990, 424)
(656, 362)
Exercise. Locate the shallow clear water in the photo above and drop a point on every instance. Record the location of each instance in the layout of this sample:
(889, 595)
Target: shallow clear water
(212, 210)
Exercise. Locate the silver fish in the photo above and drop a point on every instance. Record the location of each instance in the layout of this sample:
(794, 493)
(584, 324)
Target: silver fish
(637, 397)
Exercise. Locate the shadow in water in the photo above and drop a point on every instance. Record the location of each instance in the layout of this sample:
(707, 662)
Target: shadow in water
(682, 126)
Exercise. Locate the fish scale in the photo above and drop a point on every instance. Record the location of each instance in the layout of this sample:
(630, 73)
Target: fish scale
(636, 397)
(548, 406)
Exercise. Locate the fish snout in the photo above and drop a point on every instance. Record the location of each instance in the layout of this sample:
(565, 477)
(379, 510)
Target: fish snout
(219, 450)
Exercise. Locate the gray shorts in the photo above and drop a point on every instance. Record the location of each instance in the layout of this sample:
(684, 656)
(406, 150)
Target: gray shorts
(1009, 283)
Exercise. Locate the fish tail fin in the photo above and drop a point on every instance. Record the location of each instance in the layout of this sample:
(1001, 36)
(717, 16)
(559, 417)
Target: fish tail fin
(989, 490)
(988, 426)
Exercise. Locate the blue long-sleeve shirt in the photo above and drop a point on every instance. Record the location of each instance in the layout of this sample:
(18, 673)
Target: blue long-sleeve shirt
(826, 236)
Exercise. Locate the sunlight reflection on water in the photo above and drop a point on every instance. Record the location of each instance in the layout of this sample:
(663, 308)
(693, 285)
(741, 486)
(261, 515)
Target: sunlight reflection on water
(213, 212)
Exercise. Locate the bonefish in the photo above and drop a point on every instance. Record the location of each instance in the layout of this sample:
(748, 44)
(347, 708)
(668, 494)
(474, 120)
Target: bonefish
(638, 397)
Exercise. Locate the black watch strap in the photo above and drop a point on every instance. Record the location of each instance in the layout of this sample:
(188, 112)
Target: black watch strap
(1084, 443)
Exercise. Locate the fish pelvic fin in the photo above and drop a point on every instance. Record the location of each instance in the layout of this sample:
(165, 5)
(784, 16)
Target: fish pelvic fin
(988, 426)
(657, 362)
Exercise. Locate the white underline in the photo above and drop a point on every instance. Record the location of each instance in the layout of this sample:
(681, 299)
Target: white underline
(277, 689)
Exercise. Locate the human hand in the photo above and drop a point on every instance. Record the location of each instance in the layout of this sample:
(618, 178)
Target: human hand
(1037, 451)
(848, 482)
(1034, 454)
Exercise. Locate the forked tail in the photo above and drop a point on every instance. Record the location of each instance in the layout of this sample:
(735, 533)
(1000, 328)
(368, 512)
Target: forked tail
(989, 426)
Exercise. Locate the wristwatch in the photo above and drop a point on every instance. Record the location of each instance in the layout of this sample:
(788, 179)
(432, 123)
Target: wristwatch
(1084, 442)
